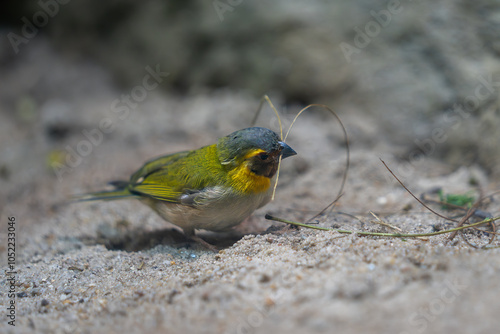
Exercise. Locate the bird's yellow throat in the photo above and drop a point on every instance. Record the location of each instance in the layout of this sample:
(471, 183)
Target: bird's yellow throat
(248, 182)
(245, 181)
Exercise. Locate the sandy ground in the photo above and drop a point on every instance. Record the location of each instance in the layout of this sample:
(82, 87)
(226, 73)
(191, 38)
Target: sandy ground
(116, 267)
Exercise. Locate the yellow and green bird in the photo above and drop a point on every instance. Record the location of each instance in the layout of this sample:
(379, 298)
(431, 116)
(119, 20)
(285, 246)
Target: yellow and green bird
(214, 187)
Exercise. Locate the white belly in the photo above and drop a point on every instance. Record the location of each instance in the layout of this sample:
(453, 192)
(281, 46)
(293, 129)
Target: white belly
(216, 210)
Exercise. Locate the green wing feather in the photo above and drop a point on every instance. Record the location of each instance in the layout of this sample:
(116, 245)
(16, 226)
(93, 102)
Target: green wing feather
(169, 177)
(156, 164)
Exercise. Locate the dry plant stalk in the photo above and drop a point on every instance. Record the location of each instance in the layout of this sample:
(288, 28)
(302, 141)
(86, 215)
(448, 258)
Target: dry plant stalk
(346, 138)
(460, 224)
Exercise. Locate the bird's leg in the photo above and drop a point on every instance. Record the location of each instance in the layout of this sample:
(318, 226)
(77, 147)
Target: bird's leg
(191, 235)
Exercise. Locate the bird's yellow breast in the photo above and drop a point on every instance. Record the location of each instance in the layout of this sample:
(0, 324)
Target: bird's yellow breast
(245, 181)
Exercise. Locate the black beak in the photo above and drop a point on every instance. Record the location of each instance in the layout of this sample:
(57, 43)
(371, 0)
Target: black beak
(286, 150)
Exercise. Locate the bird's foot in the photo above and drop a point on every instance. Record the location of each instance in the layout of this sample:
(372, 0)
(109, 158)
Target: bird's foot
(204, 243)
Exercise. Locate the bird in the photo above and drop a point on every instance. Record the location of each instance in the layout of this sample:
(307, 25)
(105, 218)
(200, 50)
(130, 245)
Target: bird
(212, 188)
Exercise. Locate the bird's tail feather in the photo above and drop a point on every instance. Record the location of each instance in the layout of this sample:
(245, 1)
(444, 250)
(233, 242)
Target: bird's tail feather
(121, 192)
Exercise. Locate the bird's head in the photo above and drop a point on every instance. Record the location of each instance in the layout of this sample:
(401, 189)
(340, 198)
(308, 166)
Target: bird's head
(257, 149)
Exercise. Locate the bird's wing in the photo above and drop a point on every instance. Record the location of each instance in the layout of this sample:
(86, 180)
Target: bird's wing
(159, 178)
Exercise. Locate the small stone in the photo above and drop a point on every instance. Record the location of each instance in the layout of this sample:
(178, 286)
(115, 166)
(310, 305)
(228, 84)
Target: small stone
(269, 302)
(75, 268)
(264, 278)
(44, 302)
(22, 294)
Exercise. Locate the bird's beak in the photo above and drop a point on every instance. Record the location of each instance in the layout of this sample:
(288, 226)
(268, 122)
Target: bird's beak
(286, 150)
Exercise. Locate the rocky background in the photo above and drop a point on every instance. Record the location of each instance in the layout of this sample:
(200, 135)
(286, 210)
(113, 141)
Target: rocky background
(89, 90)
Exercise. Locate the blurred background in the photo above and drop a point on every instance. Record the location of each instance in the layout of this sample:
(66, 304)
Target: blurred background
(415, 79)
(89, 90)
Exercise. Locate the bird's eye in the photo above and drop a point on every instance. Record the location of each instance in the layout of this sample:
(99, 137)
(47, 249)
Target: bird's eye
(263, 156)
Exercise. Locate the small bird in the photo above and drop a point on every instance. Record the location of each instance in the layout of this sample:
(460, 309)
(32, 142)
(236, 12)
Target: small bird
(213, 188)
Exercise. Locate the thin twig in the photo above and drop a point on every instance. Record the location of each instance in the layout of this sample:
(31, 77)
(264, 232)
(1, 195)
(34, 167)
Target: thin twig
(262, 100)
(462, 221)
(415, 197)
(493, 236)
(381, 222)
(379, 234)
(344, 176)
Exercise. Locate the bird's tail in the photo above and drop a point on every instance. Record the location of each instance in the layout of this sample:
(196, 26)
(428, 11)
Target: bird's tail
(120, 192)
